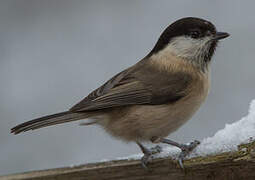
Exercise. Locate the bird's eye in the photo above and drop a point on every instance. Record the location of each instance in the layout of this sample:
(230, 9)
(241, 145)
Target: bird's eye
(194, 34)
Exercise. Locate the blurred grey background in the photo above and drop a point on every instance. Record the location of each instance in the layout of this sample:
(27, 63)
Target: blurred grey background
(54, 52)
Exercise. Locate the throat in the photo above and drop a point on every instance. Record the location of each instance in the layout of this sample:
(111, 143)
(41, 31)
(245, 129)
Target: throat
(171, 57)
(198, 60)
(196, 51)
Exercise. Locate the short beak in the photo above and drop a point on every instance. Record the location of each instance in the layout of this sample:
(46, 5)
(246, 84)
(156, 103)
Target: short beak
(220, 35)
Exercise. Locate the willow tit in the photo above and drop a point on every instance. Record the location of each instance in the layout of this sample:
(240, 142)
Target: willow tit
(154, 97)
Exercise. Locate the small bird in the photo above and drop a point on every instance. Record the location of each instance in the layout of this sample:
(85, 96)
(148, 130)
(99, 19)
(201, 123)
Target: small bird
(153, 98)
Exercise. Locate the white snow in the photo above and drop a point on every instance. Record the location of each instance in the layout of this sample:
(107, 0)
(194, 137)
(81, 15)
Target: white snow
(227, 139)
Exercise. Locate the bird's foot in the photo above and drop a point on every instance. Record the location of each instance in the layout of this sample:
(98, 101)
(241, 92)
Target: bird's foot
(186, 150)
(148, 154)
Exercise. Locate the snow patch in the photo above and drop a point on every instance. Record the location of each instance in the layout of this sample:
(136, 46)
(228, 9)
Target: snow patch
(228, 139)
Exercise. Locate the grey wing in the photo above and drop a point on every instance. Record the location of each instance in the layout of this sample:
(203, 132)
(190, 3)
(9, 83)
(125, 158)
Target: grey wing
(134, 88)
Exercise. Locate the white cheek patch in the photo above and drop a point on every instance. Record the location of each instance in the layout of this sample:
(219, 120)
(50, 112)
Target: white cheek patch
(189, 48)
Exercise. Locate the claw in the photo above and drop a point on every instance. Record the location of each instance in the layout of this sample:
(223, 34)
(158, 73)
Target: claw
(148, 154)
(156, 149)
(145, 159)
(180, 160)
(186, 150)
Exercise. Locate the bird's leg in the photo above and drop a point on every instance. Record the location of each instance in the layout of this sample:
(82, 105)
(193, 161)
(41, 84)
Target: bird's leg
(185, 148)
(148, 153)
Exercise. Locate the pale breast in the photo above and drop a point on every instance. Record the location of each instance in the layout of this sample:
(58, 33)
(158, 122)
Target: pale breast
(142, 122)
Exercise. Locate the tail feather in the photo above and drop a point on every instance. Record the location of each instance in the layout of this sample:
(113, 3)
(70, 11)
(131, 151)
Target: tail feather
(49, 120)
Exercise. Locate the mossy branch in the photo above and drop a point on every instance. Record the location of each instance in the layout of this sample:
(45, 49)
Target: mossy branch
(229, 165)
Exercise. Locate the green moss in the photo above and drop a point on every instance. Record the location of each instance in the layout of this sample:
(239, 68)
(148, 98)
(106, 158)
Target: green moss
(244, 152)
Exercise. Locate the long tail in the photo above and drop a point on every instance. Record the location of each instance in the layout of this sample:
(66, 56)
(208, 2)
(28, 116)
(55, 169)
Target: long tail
(49, 120)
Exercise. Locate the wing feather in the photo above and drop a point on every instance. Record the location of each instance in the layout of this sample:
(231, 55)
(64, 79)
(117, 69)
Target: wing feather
(134, 87)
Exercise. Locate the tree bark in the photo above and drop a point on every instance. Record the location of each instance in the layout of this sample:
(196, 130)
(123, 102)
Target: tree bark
(236, 165)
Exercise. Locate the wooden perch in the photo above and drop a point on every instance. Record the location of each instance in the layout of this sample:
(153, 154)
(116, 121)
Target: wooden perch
(230, 166)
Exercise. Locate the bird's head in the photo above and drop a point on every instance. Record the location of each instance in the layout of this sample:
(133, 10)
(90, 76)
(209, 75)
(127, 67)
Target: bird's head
(190, 38)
